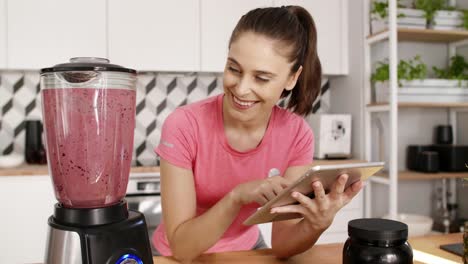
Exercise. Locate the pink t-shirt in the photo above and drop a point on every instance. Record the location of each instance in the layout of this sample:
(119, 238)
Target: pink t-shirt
(193, 138)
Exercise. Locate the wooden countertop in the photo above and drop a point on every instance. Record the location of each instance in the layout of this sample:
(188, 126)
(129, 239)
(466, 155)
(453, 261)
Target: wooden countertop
(31, 170)
(425, 250)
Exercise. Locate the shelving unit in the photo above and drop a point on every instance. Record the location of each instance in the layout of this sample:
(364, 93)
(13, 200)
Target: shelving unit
(415, 175)
(419, 105)
(393, 35)
(423, 35)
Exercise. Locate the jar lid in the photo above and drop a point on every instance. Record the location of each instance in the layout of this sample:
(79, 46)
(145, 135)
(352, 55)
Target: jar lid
(377, 229)
(87, 64)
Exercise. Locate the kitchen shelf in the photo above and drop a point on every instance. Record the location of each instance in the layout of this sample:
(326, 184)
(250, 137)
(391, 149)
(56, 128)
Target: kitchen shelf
(416, 105)
(422, 35)
(415, 175)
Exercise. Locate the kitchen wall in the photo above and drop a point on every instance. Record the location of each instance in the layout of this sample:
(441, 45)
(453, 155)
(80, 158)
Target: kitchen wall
(158, 94)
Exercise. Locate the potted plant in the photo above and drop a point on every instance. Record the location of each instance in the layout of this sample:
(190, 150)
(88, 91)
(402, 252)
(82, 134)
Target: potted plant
(407, 17)
(440, 15)
(414, 86)
(406, 71)
(456, 72)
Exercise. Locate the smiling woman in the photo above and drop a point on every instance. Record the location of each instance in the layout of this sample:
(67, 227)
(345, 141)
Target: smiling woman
(216, 153)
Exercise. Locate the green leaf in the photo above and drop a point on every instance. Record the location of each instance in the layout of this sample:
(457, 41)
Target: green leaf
(406, 70)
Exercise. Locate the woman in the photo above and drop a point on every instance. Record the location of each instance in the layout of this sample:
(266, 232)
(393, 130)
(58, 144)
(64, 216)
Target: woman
(216, 154)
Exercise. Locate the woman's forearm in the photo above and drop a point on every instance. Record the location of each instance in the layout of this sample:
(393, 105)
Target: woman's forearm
(197, 235)
(291, 239)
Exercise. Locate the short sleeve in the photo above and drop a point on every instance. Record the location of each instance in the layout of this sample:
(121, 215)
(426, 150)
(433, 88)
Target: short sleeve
(177, 144)
(303, 147)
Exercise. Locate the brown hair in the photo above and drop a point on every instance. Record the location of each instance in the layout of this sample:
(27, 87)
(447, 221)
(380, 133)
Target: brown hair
(294, 27)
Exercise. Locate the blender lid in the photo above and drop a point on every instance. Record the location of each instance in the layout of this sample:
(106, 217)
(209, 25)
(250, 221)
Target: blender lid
(87, 64)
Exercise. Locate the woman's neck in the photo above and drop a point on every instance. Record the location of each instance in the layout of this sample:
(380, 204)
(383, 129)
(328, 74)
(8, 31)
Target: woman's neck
(245, 135)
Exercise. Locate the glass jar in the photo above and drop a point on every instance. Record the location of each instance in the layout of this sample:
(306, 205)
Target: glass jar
(377, 241)
(88, 109)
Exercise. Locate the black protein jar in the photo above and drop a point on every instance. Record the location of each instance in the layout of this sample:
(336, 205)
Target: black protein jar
(377, 241)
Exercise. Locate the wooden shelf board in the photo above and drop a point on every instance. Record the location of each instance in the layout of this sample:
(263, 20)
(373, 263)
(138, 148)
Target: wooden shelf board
(431, 35)
(414, 175)
(428, 35)
(424, 105)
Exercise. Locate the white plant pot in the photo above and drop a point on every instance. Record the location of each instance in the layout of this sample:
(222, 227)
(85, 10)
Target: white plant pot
(410, 12)
(448, 14)
(412, 18)
(458, 22)
(381, 25)
(423, 94)
(433, 83)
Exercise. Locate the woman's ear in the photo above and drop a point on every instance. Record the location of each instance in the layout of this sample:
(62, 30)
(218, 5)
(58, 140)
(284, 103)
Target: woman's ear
(293, 79)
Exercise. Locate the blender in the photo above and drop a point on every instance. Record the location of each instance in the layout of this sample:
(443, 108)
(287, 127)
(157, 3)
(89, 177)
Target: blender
(88, 108)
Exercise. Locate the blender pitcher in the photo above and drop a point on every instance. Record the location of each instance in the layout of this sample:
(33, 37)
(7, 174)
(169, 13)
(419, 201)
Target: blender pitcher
(88, 108)
(89, 120)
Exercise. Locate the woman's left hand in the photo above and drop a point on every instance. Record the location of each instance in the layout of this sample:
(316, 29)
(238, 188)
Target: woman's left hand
(319, 212)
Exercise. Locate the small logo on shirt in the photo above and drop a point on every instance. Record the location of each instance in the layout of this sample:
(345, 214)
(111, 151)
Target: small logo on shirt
(273, 172)
(167, 144)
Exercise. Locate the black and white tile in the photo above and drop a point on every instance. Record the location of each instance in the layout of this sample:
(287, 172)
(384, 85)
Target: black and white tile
(158, 94)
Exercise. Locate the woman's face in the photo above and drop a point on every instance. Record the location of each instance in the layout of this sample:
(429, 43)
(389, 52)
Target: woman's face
(255, 76)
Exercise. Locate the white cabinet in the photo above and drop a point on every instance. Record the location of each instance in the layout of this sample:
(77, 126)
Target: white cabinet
(44, 33)
(155, 35)
(26, 204)
(218, 19)
(3, 34)
(331, 20)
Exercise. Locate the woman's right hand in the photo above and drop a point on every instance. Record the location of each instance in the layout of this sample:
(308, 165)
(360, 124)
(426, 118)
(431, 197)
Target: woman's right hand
(259, 191)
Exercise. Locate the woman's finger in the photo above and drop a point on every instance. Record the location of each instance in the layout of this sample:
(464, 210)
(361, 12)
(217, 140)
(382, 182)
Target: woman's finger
(354, 189)
(268, 192)
(318, 191)
(305, 201)
(320, 197)
(277, 188)
(339, 184)
(289, 209)
(260, 199)
(284, 182)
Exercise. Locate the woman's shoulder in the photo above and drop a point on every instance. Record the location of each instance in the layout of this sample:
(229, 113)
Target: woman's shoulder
(286, 118)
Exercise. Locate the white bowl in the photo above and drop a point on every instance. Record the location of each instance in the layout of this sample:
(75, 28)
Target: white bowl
(11, 160)
(418, 225)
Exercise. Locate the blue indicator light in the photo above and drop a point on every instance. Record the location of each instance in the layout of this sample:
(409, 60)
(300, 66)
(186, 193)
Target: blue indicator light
(129, 259)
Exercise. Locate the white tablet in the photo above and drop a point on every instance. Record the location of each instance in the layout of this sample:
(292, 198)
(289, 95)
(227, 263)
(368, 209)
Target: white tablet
(326, 174)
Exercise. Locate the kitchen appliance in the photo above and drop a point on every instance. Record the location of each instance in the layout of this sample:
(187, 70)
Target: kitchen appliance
(88, 108)
(433, 158)
(144, 195)
(428, 161)
(443, 135)
(452, 158)
(34, 149)
(412, 156)
(332, 135)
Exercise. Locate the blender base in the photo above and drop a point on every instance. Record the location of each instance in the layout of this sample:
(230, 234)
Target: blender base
(122, 242)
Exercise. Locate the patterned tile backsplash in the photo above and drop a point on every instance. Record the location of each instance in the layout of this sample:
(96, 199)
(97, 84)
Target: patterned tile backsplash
(158, 94)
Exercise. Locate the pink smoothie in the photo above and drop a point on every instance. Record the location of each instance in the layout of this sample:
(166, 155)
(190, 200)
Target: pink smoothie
(89, 135)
